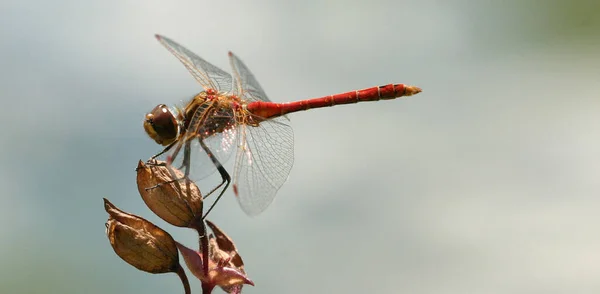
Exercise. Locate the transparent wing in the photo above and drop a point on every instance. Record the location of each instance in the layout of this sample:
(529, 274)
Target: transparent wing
(200, 165)
(246, 86)
(263, 162)
(208, 75)
(223, 142)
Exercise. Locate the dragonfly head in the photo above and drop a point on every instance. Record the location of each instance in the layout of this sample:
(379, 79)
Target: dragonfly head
(161, 125)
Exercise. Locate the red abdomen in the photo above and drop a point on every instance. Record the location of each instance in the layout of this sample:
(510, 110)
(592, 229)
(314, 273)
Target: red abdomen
(391, 91)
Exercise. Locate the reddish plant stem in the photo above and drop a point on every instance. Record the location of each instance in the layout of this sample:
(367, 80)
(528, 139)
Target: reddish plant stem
(207, 288)
(184, 280)
(200, 227)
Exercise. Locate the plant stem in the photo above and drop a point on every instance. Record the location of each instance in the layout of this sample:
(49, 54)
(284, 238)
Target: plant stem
(184, 280)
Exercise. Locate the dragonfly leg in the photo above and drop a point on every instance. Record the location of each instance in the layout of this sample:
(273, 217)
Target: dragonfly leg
(163, 151)
(226, 179)
(186, 158)
(152, 161)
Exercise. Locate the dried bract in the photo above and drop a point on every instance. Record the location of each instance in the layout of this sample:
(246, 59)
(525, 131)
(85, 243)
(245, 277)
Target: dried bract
(225, 246)
(225, 266)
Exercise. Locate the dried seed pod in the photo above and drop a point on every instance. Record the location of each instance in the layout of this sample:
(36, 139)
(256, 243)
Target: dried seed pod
(140, 243)
(176, 200)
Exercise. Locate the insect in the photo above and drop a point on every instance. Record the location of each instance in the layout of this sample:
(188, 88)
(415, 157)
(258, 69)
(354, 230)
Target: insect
(235, 113)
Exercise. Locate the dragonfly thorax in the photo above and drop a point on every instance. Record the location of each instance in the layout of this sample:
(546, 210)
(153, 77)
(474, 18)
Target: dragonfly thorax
(208, 114)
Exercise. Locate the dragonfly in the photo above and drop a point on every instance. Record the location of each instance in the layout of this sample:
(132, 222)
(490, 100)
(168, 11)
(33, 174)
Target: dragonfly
(235, 113)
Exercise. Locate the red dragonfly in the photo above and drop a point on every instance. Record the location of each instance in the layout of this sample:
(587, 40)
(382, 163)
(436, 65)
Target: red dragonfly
(235, 113)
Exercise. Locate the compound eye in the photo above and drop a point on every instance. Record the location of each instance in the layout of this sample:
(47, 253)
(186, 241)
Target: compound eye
(161, 125)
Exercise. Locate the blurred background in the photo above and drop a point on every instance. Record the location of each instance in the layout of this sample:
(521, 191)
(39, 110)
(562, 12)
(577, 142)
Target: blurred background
(487, 182)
